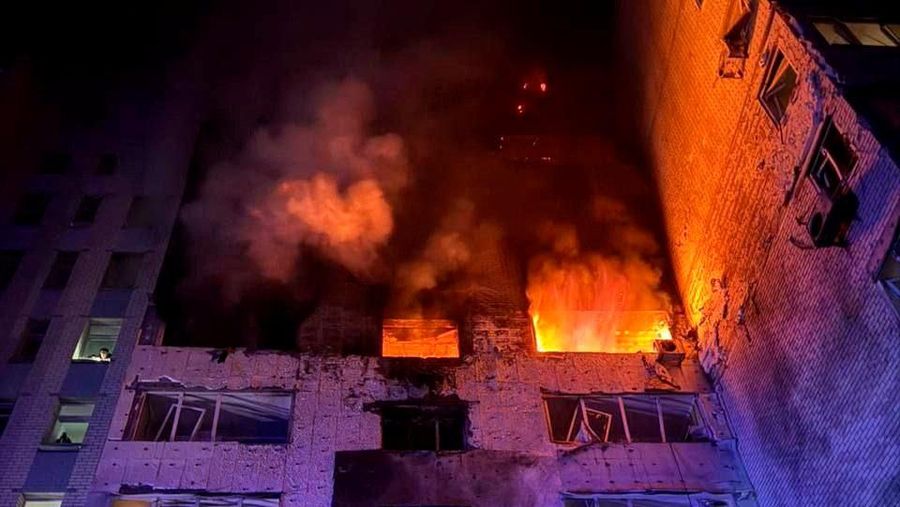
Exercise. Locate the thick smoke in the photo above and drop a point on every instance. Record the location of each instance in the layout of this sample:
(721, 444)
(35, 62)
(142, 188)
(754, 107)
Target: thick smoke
(325, 186)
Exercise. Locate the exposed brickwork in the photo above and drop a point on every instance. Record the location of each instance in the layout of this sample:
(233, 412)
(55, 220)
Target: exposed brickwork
(803, 340)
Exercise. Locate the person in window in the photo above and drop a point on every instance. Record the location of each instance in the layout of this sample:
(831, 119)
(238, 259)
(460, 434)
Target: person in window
(102, 355)
(64, 438)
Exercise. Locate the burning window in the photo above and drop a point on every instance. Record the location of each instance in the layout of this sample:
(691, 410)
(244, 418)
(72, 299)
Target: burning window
(419, 338)
(191, 500)
(890, 271)
(559, 330)
(122, 271)
(778, 87)
(246, 417)
(98, 341)
(423, 427)
(31, 340)
(739, 30)
(832, 162)
(71, 423)
(633, 418)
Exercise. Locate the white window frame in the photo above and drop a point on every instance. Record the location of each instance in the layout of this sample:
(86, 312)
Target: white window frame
(83, 341)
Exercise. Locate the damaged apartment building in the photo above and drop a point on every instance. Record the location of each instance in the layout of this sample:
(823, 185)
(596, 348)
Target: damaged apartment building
(781, 215)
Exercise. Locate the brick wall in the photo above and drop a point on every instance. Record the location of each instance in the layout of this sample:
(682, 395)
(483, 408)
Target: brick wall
(802, 341)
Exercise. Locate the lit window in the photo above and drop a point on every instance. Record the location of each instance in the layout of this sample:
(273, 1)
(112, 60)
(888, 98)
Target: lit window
(9, 264)
(778, 87)
(122, 271)
(31, 209)
(741, 15)
(6, 408)
(107, 165)
(87, 210)
(141, 213)
(429, 338)
(61, 270)
(31, 340)
(71, 423)
(633, 418)
(98, 341)
(247, 417)
(832, 161)
(438, 427)
(890, 271)
(870, 34)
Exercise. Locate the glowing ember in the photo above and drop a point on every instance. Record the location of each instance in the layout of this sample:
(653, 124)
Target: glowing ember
(520, 109)
(419, 338)
(543, 87)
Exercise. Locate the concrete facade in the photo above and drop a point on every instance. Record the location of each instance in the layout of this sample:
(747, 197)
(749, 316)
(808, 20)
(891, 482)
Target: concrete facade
(800, 341)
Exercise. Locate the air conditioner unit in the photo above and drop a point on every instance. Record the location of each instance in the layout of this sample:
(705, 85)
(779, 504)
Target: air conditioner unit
(829, 223)
(669, 352)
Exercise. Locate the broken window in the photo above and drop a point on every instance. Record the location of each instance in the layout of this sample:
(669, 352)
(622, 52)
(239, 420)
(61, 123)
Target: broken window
(832, 160)
(192, 500)
(71, 423)
(9, 264)
(31, 209)
(122, 271)
(632, 418)
(108, 164)
(98, 341)
(419, 338)
(423, 427)
(889, 275)
(141, 213)
(739, 29)
(61, 270)
(6, 408)
(778, 87)
(30, 341)
(246, 417)
(87, 210)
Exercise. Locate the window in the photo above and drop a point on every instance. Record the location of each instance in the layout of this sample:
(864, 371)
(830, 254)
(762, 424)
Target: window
(739, 30)
(71, 423)
(122, 271)
(108, 164)
(87, 210)
(890, 271)
(6, 408)
(31, 340)
(9, 264)
(778, 87)
(638, 500)
(42, 500)
(832, 161)
(190, 500)
(31, 209)
(61, 270)
(858, 33)
(141, 213)
(423, 427)
(429, 338)
(247, 417)
(98, 341)
(631, 418)
(56, 163)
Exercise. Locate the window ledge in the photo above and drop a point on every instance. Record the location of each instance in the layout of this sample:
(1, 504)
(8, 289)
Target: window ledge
(59, 447)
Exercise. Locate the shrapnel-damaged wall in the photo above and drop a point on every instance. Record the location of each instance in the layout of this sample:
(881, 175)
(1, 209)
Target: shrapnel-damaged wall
(503, 380)
(802, 340)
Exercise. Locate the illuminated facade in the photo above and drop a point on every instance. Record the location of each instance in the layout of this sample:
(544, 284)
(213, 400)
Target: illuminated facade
(772, 128)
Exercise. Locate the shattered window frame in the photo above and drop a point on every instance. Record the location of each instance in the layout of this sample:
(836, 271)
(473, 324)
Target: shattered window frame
(579, 432)
(739, 28)
(200, 500)
(780, 75)
(211, 423)
(829, 169)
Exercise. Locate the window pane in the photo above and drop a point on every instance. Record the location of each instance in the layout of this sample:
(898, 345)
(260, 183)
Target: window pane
(681, 420)
(153, 417)
(195, 420)
(870, 34)
(122, 271)
(643, 418)
(71, 423)
(779, 87)
(61, 270)
(42, 503)
(260, 418)
(565, 418)
(830, 33)
(98, 335)
(604, 415)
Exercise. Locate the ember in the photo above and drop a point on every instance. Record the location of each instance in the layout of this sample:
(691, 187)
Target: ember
(419, 338)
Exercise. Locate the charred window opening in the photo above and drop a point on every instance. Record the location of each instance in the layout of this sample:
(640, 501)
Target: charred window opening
(633, 418)
(61, 270)
(246, 417)
(778, 87)
(31, 340)
(739, 28)
(889, 275)
(425, 338)
(423, 427)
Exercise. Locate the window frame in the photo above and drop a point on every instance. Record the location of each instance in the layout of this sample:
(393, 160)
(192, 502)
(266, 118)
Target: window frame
(156, 499)
(435, 411)
(820, 156)
(888, 274)
(54, 281)
(24, 353)
(84, 340)
(175, 410)
(696, 414)
(740, 20)
(49, 438)
(768, 87)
